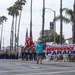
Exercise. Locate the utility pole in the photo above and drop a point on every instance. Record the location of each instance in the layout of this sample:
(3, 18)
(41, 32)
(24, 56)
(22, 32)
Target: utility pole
(61, 22)
(43, 21)
(54, 28)
(73, 36)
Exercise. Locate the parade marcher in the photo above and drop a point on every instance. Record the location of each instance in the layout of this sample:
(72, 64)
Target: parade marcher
(0, 54)
(17, 54)
(7, 54)
(22, 53)
(30, 55)
(34, 54)
(10, 55)
(39, 49)
(3, 55)
(13, 55)
(26, 54)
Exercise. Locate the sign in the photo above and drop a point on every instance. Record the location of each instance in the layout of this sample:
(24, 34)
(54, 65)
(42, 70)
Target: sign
(72, 52)
(51, 26)
(60, 49)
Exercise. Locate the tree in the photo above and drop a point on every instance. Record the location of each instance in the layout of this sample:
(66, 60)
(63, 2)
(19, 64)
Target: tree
(68, 18)
(19, 4)
(13, 12)
(2, 19)
(49, 37)
(16, 15)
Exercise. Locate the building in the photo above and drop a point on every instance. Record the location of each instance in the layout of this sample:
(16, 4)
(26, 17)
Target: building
(69, 40)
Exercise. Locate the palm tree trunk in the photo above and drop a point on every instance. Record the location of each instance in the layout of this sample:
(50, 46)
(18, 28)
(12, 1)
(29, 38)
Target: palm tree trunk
(15, 31)
(43, 21)
(18, 29)
(11, 35)
(1, 33)
(61, 22)
(73, 36)
(1, 37)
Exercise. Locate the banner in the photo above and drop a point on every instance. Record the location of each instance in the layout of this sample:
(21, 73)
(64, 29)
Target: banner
(60, 49)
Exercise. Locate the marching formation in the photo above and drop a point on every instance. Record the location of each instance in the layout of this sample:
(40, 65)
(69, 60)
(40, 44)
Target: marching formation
(28, 53)
(8, 55)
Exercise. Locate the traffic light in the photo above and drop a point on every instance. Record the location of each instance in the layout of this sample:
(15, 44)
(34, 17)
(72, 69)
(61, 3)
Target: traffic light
(51, 26)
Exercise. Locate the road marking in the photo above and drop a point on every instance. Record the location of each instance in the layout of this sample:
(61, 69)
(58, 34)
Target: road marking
(7, 62)
(34, 67)
(17, 64)
(59, 72)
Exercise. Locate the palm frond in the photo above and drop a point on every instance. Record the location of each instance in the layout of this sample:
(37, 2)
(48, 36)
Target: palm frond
(64, 9)
(66, 20)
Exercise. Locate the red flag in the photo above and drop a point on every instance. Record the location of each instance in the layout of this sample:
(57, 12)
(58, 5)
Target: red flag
(31, 40)
(26, 39)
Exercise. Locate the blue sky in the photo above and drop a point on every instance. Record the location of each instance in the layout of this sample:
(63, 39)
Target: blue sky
(37, 18)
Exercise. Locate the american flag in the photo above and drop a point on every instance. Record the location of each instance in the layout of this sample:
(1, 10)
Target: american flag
(26, 39)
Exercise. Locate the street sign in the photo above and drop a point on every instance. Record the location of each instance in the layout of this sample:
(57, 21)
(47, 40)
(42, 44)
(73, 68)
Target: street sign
(51, 26)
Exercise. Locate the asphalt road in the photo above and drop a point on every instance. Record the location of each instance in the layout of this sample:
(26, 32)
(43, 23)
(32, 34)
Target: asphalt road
(18, 67)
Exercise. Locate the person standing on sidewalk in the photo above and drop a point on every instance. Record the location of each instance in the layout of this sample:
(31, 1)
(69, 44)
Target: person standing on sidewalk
(39, 49)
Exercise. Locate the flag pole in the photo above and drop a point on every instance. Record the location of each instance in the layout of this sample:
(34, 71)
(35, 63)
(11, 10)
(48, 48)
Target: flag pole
(31, 40)
(31, 16)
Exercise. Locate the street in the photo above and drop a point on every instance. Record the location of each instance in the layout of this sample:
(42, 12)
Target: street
(19, 67)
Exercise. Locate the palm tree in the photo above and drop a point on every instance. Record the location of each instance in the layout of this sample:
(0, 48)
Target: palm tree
(16, 15)
(19, 4)
(12, 11)
(68, 18)
(2, 19)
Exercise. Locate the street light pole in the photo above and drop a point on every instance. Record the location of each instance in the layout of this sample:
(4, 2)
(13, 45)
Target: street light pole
(73, 24)
(61, 22)
(54, 28)
(54, 24)
(43, 21)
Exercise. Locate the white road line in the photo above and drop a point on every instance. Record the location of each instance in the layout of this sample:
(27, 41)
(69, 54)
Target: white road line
(13, 63)
(17, 64)
(12, 71)
(7, 62)
(34, 67)
(59, 72)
